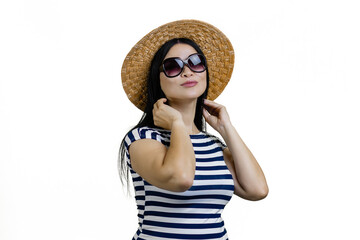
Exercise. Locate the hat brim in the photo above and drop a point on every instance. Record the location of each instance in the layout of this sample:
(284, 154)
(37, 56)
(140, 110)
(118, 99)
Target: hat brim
(215, 45)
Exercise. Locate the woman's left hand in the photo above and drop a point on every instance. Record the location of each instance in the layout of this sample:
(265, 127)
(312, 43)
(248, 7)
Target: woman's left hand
(216, 115)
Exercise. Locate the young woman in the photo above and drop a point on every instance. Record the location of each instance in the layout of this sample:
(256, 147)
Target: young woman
(183, 176)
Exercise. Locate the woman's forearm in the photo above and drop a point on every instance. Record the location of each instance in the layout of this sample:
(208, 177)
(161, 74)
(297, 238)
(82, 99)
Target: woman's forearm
(179, 160)
(248, 172)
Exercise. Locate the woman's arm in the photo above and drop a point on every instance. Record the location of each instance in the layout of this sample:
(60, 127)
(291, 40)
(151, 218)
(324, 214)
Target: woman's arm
(173, 168)
(249, 179)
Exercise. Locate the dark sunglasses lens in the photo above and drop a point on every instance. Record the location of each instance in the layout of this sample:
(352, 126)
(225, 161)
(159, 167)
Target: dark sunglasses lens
(172, 67)
(197, 63)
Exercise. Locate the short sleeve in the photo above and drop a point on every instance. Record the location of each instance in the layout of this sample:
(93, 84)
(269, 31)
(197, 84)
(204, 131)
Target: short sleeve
(144, 133)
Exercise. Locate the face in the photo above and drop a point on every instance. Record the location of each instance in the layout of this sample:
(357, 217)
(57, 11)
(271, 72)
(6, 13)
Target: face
(188, 85)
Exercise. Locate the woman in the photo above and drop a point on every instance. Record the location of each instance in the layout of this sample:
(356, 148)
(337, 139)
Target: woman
(183, 177)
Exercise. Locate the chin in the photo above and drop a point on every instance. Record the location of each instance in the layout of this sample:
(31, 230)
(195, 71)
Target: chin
(186, 94)
(193, 96)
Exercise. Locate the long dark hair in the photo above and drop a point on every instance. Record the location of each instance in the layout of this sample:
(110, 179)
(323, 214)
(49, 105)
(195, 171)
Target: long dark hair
(154, 93)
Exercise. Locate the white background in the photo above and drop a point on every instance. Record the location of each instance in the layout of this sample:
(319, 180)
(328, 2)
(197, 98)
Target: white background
(294, 98)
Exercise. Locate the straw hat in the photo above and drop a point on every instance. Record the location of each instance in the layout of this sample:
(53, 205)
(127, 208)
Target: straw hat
(216, 46)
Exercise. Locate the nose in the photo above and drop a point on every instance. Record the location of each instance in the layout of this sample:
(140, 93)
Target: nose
(186, 72)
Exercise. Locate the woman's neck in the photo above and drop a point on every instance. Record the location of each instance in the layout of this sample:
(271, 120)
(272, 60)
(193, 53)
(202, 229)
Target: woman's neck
(187, 110)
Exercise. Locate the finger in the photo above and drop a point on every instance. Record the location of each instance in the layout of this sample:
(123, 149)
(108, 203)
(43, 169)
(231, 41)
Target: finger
(208, 117)
(206, 114)
(211, 106)
(162, 100)
(155, 105)
(208, 102)
(212, 110)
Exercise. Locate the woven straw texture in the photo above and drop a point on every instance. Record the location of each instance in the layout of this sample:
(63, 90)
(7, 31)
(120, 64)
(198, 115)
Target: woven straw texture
(216, 46)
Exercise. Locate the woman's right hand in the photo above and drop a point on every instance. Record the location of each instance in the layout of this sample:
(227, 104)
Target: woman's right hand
(164, 115)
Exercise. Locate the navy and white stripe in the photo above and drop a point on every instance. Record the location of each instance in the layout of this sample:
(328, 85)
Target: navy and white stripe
(193, 214)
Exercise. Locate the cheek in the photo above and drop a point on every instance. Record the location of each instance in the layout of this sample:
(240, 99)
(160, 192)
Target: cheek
(162, 82)
(203, 77)
(165, 84)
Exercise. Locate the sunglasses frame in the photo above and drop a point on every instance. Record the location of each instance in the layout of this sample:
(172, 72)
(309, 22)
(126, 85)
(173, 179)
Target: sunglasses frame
(184, 62)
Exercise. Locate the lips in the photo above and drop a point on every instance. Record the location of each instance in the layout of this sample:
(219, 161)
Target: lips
(189, 83)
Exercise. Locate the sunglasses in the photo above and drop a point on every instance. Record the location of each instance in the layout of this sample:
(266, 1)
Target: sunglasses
(172, 67)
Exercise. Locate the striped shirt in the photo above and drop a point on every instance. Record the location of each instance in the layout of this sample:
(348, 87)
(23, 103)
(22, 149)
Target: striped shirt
(193, 214)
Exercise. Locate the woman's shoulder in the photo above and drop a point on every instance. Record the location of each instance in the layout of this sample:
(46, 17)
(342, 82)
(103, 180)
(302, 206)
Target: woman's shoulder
(145, 132)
